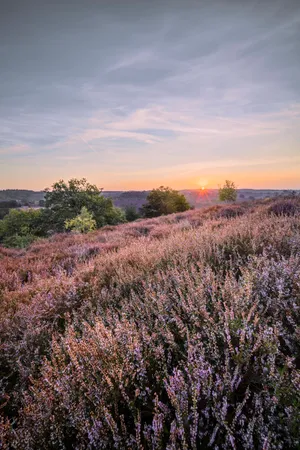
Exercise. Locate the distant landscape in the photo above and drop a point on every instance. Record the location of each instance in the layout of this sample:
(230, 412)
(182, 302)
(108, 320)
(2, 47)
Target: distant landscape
(123, 199)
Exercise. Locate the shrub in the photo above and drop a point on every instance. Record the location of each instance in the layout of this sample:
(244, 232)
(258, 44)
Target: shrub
(230, 212)
(131, 213)
(284, 207)
(19, 228)
(164, 201)
(83, 223)
(19, 241)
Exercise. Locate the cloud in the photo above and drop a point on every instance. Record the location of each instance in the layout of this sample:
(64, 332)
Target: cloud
(149, 84)
(134, 59)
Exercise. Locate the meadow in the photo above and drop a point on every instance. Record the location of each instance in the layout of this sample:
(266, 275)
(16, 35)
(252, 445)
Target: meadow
(179, 332)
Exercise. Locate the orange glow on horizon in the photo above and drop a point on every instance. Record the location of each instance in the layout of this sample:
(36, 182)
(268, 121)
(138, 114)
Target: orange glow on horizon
(249, 178)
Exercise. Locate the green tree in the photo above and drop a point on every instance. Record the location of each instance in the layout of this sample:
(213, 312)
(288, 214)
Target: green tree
(83, 223)
(228, 192)
(131, 213)
(65, 201)
(19, 228)
(164, 200)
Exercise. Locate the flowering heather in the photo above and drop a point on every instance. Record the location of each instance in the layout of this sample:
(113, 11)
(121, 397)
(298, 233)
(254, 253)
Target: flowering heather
(179, 332)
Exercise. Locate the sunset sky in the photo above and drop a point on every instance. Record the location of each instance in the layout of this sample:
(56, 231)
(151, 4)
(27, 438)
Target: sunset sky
(138, 94)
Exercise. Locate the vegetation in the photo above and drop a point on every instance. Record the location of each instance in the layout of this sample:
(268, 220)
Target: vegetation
(228, 193)
(164, 201)
(83, 223)
(19, 228)
(76, 205)
(65, 201)
(5, 206)
(284, 207)
(131, 213)
(178, 332)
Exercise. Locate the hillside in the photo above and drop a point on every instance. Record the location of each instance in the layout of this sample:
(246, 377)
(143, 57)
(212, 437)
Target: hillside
(180, 332)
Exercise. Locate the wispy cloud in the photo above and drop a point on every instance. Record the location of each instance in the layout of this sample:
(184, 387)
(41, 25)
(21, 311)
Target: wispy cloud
(150, 88)
(134, 59)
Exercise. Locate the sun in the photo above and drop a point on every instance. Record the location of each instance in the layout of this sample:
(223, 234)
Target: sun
(202, 188)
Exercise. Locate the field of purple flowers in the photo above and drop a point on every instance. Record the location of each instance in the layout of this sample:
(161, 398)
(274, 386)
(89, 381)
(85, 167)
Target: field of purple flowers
(180, 332)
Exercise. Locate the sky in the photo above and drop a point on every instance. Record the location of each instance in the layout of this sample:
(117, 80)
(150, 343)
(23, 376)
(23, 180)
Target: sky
(138, 94)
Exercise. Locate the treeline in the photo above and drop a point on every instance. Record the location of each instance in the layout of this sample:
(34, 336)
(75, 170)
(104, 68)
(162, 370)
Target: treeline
(23, 196)
(78, 206)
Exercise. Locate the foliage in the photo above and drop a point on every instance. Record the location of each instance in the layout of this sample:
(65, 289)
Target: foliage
(83, 223)
(164, 200)
(131, 213)
(177, 332)
(5, 206)
(20, 227)
(228, 192)
(19, 241)
(65, 201)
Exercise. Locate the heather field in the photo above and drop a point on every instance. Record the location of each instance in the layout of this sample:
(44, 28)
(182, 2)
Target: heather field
(179, 332)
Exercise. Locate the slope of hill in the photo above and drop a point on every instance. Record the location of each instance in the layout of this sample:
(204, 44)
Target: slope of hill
(178, 332)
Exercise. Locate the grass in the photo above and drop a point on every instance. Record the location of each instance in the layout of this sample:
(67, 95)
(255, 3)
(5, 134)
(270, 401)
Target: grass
(180, 332)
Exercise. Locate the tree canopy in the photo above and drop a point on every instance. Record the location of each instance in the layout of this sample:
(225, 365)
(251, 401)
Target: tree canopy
(164, 200)
(66, 199)
(228, 192)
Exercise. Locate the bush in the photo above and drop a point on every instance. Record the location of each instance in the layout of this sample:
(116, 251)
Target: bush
(20, 228)
(17, 241)
(230, 212)
(131, 213)
(164, 201)
(83, 223)
(285, 207)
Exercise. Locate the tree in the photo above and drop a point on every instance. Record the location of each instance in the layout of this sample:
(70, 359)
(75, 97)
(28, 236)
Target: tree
(65, 201)
(83, 223)
(131, 213)
(228, 193)
(19, 228)
(164, 200)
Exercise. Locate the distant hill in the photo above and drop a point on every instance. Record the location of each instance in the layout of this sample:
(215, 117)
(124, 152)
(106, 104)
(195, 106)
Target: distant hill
(196, 197)
(22, 196)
